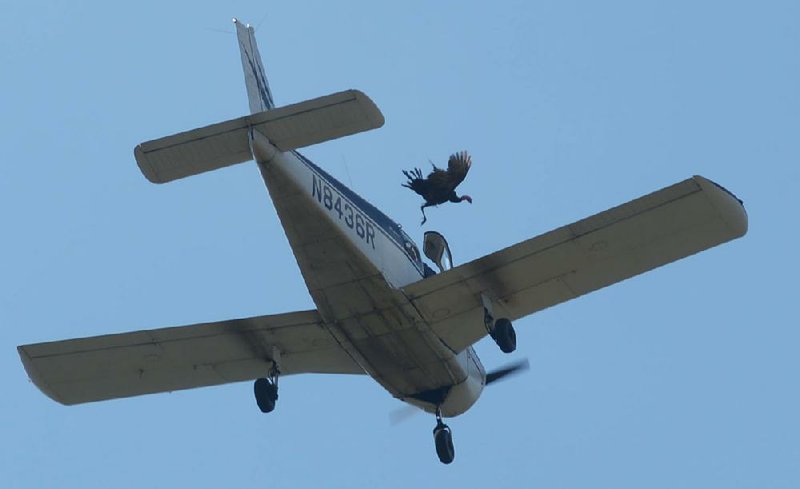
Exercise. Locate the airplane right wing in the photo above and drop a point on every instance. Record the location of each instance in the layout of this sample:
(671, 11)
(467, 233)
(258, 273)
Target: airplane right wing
(573, 260)
(161, 360)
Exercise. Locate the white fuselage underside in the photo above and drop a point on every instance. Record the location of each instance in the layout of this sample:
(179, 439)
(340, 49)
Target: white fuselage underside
(354, 261)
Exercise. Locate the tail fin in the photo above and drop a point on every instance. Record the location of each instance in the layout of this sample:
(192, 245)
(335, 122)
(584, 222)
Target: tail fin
(258, 92)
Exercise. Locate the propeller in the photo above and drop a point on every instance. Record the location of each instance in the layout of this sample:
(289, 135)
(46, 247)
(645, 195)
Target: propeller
(406, 412)
(510, 369)
(403, 413)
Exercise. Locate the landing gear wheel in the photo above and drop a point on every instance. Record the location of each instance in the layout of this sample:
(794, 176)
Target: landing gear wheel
(266, 394)
(504, 335)
(443, 438)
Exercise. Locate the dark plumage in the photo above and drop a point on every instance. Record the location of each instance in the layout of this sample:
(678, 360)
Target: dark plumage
(440, 185)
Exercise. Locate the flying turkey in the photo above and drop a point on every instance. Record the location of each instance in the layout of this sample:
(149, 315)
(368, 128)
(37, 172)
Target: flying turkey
(440, 185)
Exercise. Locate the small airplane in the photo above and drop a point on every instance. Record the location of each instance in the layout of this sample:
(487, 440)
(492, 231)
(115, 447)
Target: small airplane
(380, 309)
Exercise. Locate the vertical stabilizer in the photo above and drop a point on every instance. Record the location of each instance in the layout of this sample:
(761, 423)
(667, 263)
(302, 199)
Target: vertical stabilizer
(258, 92)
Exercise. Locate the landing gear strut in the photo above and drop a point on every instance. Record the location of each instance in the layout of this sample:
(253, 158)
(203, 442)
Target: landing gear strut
(443, 438)
(501, 331)
(266, 390)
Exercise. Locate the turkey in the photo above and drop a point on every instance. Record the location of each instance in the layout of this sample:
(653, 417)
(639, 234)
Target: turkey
(440, 185)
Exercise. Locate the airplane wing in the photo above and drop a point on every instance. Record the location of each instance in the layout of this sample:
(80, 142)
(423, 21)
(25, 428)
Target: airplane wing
(161, 360)
(573, 260)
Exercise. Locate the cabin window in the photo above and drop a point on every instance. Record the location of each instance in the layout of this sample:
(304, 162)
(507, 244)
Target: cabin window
(412, 251)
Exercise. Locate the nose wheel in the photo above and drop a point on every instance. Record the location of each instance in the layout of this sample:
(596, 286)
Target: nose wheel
(443, 438)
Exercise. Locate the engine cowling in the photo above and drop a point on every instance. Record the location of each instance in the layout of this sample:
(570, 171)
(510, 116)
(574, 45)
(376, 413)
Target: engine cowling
(462, 396)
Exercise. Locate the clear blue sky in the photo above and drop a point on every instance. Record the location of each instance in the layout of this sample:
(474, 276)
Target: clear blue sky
(684, 377)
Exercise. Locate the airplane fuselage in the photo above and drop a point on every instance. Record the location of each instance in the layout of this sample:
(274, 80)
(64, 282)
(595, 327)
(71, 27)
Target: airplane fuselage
(354, 260)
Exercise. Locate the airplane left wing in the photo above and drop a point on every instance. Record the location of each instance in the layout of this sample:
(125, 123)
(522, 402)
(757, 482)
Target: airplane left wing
(565, 263)
(161, 360)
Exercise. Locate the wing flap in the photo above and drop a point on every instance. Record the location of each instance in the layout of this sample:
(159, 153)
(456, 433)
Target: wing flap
(567, 262)
(227, 143)
(161, 360)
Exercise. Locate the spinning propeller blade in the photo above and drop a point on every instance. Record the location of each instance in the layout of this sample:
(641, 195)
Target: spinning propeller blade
(403, 413)
(501, 373)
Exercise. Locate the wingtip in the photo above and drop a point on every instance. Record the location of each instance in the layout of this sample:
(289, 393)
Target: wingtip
(372, 111)
(145, 167)
(729, 205)
(35, 376)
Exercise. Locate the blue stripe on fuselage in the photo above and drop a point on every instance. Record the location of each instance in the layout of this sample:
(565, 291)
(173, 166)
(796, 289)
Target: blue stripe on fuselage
(393, 230)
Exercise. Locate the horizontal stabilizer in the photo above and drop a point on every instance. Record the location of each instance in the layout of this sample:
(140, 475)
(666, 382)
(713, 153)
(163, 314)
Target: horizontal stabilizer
(227, 143)
(162, 360)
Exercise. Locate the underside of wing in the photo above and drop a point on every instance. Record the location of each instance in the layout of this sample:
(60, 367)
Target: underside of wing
(161, 360)
(565, 263)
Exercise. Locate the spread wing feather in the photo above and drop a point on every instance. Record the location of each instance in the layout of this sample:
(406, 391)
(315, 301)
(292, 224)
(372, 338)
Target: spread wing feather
(457, 167)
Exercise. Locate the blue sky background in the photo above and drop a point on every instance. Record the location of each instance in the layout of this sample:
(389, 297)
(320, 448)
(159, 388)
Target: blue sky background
(683, 377)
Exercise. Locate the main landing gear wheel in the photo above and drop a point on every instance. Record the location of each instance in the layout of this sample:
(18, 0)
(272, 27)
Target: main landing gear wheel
(266, 391)
(504, 335)
(266, 395)
(443, 438)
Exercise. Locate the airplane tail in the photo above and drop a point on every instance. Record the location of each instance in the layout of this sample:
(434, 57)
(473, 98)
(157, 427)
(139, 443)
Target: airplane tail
(258, 93)
(284, 128)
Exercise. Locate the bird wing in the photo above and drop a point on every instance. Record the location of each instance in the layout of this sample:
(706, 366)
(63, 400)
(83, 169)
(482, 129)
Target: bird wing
(457, 167)
(416, 182)
(440, 180)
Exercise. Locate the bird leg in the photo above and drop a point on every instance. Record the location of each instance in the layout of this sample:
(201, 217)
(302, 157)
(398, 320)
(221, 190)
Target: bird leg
(424, 217)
